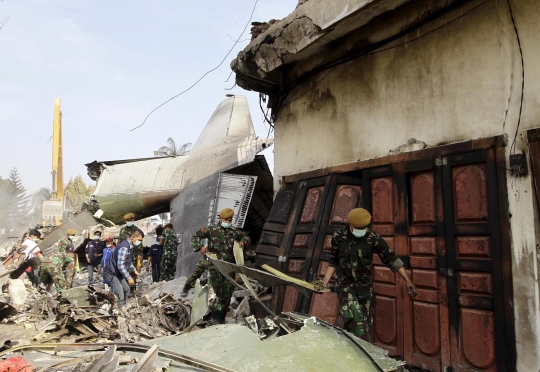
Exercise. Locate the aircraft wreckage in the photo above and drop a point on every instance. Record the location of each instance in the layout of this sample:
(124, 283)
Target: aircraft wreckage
(222, 170)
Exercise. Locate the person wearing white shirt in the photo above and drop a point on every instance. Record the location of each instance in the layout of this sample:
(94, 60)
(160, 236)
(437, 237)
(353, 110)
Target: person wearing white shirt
(30, 250)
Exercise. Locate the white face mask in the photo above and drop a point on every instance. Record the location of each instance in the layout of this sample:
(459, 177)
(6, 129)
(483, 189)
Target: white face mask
(108, 245)
(359, 232)
(225, 225)
(71, 237)
(136, 243)
(129, 224)
(96, 237)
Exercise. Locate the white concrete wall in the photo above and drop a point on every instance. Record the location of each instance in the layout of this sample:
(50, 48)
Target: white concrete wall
(460, 82)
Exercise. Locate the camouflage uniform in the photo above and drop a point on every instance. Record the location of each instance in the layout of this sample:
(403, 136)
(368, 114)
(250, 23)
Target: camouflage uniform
(221, 242)
(353, 258)
(199, 270)
(62, 244)
(52, 270)
(169, 256)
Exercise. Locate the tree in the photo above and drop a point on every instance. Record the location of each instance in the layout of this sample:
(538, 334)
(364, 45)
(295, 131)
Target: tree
(76, 191)
(3, 198)
(172, 149)
(38, 198)
(14, 203)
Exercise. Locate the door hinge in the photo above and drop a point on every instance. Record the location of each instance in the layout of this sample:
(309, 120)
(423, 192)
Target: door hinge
(441, 161)
(446, 271)
(282, 259)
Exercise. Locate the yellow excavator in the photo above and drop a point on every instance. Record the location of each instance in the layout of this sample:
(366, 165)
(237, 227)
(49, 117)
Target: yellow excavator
(54, 208)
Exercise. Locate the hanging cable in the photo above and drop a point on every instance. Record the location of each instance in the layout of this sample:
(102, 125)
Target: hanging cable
(202, 77)
(514, 142)
(262, 99)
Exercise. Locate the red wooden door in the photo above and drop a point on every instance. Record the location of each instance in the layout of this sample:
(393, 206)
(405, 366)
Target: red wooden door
(344, 194)
(475, 288)
(299, 244)
(381, 198)
(426, 339)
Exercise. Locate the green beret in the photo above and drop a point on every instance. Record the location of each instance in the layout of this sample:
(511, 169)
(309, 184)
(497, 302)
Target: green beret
(359, 218)
(71, 232)
(226, 213)
(129, 216)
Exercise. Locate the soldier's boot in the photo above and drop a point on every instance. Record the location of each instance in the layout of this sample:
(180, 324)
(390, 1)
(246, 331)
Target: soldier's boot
(185, 290)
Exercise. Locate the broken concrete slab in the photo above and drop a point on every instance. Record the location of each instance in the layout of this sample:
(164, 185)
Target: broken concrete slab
(17, 292)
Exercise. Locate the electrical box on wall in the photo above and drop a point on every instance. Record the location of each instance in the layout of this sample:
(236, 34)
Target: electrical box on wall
(518, 164)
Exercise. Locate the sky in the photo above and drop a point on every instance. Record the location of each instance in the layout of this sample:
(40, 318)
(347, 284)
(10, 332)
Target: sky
(111, 63)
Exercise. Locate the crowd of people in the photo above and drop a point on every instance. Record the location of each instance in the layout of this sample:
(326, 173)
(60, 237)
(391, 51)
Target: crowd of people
(351, 259)
(119, 260)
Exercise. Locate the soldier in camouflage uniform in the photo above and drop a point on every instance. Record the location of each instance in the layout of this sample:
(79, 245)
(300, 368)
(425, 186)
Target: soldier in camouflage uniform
(63, 243)
(53, 267)
(125, 234)
(203, 265)
(169, 241)
(351, 260)
(221, 238)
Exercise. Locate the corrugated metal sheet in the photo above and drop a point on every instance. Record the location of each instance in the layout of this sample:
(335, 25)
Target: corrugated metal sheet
(234, 191)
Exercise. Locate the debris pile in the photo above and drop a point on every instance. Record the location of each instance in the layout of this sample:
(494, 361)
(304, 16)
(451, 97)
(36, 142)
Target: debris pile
(90, 314)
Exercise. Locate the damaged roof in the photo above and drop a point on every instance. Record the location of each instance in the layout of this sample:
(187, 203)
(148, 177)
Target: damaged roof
(343, 29)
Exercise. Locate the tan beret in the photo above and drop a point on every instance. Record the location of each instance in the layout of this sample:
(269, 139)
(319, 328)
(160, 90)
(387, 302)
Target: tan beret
(129, 216)
(359, 218)
(226, 213)
(71, 232)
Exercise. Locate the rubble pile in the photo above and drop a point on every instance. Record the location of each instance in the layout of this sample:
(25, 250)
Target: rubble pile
(90, 314)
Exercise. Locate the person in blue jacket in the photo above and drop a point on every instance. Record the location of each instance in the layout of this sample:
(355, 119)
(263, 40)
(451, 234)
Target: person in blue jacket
(117, 270)
(107, 252)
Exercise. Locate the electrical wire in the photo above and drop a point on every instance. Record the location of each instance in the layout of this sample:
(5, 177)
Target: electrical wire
(261, 99)
(238, 41)
(365, 53)
(514, 142)
(202, 77)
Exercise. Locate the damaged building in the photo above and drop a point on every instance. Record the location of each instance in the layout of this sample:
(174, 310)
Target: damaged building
(426, 114)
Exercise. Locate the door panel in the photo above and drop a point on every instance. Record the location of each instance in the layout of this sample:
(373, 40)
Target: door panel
(428, 331)
(471, 219)
(380, 197)
(299, 241)
(344, 194)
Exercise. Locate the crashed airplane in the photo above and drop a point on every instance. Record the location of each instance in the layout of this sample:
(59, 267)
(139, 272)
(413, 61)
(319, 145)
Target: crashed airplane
(222, 170)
